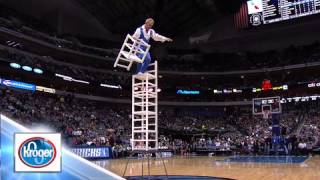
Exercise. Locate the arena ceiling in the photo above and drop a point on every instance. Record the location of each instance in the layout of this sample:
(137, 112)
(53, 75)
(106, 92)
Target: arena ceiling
(173, 17)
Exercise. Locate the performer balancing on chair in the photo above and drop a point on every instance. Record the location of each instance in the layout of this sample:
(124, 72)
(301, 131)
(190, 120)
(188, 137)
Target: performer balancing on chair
(144, 33)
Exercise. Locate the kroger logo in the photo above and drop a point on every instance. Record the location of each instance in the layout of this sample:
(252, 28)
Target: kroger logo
(37, 152)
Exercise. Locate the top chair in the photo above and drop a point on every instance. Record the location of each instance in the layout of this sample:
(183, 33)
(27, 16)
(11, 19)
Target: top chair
(132, 50)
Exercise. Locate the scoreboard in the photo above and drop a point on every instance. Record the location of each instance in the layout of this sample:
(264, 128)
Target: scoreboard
(270, 11)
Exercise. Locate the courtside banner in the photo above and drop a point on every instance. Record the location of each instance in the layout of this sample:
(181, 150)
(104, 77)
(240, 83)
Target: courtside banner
(102, 152)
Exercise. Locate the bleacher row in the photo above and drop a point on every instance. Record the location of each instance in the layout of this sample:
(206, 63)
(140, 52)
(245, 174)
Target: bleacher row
(87, 122)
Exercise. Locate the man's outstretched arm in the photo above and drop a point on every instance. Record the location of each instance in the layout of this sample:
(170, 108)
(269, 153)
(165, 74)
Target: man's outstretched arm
(157, 37)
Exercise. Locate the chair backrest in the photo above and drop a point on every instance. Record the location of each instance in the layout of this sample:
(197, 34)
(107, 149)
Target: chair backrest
(132, 50)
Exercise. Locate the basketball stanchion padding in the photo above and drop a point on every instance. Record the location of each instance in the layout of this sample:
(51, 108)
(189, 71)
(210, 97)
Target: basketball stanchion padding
(132, 50)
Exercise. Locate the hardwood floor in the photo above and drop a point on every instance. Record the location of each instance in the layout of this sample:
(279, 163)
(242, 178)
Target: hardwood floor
(213, 166)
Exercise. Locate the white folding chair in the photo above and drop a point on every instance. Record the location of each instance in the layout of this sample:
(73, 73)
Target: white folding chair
(129, 52)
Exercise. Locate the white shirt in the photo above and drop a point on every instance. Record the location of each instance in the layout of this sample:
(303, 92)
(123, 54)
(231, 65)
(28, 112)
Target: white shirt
(151, 33)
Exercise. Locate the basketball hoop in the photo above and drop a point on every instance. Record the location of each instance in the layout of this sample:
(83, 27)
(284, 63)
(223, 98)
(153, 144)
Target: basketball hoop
(265, 114)
(266, 106)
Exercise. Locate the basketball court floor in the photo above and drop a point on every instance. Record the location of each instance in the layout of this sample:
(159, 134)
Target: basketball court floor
(244, 167)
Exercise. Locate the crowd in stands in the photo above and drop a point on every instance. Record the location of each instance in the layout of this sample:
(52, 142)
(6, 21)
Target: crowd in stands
(216, 62)
(169, 85)
(82, 122)
(52, 67)
(85, 122)
(309, 131)
(12, 20)
(89, 123)
(196, 61)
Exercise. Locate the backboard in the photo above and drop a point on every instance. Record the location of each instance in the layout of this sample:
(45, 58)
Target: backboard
(261, 105)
